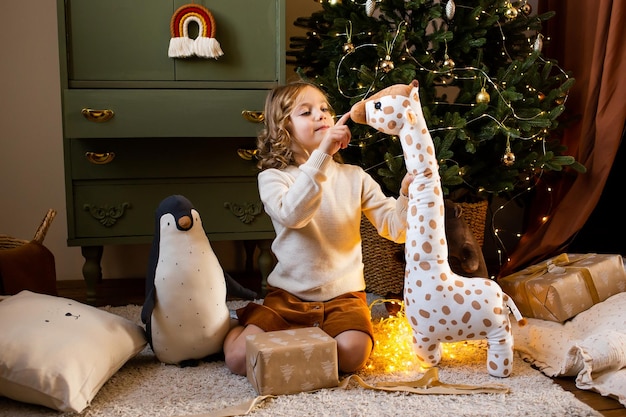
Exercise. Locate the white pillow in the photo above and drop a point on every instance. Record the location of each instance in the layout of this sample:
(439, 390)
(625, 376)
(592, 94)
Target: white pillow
(591, 346)
(58, 352)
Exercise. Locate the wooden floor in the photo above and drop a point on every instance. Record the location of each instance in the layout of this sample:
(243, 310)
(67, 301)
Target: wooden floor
(118, 292)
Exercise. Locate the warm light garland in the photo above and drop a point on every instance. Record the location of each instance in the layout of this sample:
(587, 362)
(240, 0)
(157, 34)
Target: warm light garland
(459, 73)
(393, 348)
(448, 73)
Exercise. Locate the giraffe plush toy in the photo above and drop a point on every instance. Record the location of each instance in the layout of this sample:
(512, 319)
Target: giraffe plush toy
(441, 306)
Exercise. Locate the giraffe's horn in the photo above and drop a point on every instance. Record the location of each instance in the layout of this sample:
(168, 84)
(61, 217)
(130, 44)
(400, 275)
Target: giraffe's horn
(358, 114)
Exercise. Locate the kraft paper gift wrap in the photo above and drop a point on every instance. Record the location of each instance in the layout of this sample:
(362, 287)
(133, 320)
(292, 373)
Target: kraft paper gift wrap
(563, 286)
(291, 361)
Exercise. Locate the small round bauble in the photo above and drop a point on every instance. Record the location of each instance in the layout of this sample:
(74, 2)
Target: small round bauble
(386, 64)
(348, 47)
(526, 8)
(510, 13)
(508, 159)
(483, 96)
(449, 63)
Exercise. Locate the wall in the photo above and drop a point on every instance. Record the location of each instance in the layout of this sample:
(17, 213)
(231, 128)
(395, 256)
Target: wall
(31, 151)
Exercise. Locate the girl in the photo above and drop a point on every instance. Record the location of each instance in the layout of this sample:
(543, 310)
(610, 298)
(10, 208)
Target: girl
(315, 205)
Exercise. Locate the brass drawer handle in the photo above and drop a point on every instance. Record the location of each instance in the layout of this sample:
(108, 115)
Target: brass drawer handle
(100, 158)
(247, 154)
(97, 116)
(253, 116)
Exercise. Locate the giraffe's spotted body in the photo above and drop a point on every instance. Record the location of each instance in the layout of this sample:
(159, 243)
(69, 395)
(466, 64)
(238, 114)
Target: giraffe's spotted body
(441, 306)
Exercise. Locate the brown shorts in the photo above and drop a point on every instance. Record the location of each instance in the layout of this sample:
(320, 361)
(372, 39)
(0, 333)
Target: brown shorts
(281, 310)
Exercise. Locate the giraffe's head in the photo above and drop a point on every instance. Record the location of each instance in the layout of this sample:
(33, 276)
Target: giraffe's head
(389, 109)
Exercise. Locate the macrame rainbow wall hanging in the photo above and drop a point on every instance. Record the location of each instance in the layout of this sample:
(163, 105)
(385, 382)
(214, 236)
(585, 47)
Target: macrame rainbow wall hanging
(205, 45)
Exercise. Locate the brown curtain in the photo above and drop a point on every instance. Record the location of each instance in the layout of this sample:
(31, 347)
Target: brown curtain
(586, 38)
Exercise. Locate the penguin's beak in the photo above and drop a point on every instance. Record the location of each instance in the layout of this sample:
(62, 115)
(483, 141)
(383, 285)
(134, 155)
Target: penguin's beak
(184, 223)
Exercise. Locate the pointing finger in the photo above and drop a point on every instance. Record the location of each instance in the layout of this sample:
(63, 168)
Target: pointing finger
(343, 119)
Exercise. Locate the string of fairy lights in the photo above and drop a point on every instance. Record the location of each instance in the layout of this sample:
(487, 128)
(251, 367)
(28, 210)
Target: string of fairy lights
(448, 73)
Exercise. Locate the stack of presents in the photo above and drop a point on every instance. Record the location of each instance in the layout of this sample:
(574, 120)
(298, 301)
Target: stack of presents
(561, 287)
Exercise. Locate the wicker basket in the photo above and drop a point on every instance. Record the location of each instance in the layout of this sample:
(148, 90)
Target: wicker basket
(8, 242)
(475, 215)
(383, 262)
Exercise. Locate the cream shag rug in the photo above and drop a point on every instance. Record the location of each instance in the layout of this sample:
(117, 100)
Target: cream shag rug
(146, 387)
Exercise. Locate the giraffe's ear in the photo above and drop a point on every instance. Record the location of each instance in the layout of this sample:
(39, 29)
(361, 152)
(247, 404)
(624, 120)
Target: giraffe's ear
(410, 116)
(415, 96)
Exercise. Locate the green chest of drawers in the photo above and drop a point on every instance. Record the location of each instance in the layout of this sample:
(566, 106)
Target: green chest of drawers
(139, 126)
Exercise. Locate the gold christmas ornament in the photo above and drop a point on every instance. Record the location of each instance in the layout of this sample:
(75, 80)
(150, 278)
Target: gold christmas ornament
(541, 96)
(483, 96)
(510, 12)
(526, 8)
(386, 64)
(508, 158)
(348, 48)
(448, 62)
(560, 99)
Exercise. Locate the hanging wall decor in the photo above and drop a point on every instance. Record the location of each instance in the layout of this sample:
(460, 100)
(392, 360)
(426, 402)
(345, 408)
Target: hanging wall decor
(204, 45)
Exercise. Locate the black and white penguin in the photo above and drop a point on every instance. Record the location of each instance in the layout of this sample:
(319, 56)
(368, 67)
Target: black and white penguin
(185, 308)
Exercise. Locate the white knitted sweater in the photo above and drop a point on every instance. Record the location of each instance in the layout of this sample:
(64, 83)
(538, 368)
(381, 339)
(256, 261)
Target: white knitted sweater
(316, 212)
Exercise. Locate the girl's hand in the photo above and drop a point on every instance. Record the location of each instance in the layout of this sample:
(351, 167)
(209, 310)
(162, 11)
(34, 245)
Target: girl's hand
(336, 137)
(406, 181)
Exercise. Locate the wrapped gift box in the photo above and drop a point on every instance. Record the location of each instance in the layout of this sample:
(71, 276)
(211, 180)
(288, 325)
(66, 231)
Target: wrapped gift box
(563, 286)
(291, 361)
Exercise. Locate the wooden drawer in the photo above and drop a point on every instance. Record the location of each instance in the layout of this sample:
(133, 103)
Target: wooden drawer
(160, 158)
(121, 40)
(110, 210)
(162, 113)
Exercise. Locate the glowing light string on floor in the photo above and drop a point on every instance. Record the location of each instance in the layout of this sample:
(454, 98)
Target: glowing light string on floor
(393, 350)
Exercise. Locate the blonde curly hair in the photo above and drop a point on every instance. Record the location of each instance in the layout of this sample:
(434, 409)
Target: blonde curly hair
(274, 143)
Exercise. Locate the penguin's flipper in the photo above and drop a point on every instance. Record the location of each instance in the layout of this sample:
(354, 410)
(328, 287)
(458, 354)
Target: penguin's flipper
(150, 290)
(235, 289)
(146, 314)
(148, 306)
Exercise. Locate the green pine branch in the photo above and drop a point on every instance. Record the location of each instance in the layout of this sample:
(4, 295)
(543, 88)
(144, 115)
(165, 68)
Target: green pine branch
(351, 55)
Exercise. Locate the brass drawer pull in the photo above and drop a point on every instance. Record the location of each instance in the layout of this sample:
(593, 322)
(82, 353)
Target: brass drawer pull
(247, 154)
(100, 158)
(97, 116)
(253, 116)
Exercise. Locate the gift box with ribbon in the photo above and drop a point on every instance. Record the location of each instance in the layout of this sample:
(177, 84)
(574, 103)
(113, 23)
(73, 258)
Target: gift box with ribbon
(291, 361)
(563, 286)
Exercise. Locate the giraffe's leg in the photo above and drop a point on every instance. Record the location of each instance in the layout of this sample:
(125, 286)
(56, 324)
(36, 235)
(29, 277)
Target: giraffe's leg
(429, 354)
(500, 356)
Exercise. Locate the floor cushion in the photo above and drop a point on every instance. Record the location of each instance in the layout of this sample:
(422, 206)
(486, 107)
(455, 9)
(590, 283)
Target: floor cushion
(58, 352)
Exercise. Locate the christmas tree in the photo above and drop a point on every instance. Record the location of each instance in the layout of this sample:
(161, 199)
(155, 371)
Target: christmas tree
(492, 101)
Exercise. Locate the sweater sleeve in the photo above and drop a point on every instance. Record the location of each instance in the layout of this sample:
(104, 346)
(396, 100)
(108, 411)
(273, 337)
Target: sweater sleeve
(292, 197)
(387, 214)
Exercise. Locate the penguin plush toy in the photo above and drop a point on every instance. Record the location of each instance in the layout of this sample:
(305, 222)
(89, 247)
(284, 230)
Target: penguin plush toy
(185, 310)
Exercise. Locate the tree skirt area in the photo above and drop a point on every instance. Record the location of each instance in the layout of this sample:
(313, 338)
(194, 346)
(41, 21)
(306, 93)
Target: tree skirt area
(146, 387)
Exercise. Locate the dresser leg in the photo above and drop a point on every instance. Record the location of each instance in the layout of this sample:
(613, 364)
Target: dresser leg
(266, 262)
(249, 246)
(92, 272)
